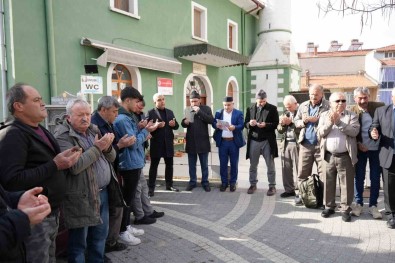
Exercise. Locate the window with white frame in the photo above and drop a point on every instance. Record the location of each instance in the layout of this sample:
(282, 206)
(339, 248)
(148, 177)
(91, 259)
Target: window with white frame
(126, 7)
(199, 22)
(232, 36)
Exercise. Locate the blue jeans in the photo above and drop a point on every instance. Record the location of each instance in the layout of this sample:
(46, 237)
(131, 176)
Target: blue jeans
(192, 159)
(228, 150)
(375, 171)
(91, 239)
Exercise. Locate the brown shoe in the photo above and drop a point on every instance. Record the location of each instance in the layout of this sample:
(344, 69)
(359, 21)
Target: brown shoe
(271, 191)
(252, 189)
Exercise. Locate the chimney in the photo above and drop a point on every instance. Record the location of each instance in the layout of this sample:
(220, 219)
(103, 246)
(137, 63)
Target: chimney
(307, 72)
(310, 47)
(335, 46)
(355, 45)
(315, 50)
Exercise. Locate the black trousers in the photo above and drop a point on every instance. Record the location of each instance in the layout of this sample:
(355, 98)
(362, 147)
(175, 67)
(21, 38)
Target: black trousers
(130, 182)
(153, 171)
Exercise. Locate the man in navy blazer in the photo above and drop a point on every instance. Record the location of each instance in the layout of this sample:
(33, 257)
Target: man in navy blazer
(228, 124)
(383, 128)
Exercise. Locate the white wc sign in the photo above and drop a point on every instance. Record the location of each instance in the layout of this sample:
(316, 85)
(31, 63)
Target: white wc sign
(91, 84)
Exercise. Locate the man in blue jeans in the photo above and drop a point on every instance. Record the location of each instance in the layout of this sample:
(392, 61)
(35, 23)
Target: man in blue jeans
(367, 149)
(196, 120)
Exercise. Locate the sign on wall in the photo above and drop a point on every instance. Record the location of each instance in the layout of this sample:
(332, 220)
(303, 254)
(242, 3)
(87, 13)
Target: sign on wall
(165, 86)
(91, 84)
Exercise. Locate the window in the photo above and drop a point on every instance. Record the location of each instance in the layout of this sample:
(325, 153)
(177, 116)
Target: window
(199, 22)
(126, 7)
(120, 79)
(389, 54)
(232, 36)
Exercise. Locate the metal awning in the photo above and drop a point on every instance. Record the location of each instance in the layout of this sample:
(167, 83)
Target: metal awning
(210, 55)
(121, 55)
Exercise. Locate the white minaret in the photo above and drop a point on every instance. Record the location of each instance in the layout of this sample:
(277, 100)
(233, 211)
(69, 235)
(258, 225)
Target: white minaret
(274, 65)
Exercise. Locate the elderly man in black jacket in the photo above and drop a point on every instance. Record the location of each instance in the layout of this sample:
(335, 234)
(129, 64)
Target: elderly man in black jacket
(261, 121)
(197, 118)
(161, 143)
(30, 156)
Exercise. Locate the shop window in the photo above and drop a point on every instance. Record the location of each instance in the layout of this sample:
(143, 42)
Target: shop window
(199, 22)
(120, 79)
(126, 7)
(232, 35)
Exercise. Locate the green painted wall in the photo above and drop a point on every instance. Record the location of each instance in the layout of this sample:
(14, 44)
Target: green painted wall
(162, 26)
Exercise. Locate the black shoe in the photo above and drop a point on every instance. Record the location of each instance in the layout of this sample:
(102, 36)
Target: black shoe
(207, 188)
(391, 223)
(298, 200)
(252, 189)
(146, 220)
(190, 187)
(286, 194)
(327, 212)
(223, 188)
(151, 192)
(171, 188)
(116, 247)
(232, 187)
(346, 217)
(156, 214)
(107, 259)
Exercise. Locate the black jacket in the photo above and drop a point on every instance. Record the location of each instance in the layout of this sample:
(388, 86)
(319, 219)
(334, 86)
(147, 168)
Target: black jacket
(27, 161)
(197, 137)
(162, 141)
(269, 115)
(14, 228)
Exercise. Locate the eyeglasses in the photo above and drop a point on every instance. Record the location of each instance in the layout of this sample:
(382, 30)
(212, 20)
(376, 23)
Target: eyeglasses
(337, 101)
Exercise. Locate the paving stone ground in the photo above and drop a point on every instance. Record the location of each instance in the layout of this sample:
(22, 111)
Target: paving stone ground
(200, 227)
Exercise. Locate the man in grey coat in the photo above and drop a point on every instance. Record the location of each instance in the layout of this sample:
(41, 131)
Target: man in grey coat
(197, 119)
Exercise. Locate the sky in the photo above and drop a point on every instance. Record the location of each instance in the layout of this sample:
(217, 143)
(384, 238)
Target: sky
(308, 25)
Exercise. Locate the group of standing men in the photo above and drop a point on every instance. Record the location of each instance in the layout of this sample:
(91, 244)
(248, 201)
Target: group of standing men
(339, 142)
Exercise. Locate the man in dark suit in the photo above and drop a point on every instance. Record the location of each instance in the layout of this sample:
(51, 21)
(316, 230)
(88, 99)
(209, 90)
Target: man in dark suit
(162, 142)
(197, 118)
(30, 156)
(229, 139)
(261, 121)
(383, 128)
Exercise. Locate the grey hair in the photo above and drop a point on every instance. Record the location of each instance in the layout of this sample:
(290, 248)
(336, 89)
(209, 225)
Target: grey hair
(316, 86)
(15, 94)
(73, 102)
(107, 102)
(157, 95)
(289, 98)
(337, 93)
(362, 90)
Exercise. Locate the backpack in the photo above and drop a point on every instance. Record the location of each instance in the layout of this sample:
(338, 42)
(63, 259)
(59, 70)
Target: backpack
(311, 191)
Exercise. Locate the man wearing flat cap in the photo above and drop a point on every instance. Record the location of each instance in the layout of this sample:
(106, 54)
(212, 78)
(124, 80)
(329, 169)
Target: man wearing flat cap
(196, 120)
(228, 136)
(261, 121)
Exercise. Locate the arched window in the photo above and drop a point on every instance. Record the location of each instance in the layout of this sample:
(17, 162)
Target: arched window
(196, 84)
(120, 79)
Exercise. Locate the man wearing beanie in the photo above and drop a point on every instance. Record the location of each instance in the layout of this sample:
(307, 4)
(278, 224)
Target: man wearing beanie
(261, 121)
(228, 125)
(196, 120)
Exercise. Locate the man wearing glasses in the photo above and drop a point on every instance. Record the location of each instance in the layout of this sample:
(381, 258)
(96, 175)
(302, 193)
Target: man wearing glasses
(337, 131)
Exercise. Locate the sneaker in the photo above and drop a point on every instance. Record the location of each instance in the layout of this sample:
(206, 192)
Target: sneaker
(156, 214)
(116, 247)
(298, 200)
(251, 190)
(134, 231)
(271, 191)
(146, 220)
(286, 194)
(375, 212)
(356, 210)
(129, 239)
